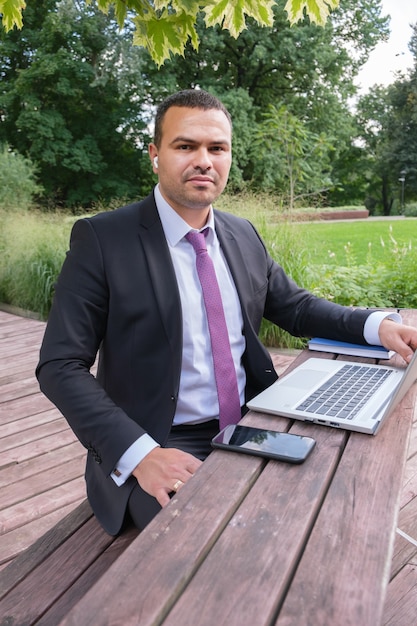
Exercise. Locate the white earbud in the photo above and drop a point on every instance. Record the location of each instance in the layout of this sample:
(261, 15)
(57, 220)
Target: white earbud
(155, 162)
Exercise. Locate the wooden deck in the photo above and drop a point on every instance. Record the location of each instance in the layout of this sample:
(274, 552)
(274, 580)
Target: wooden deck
(42, 465)
(41, 461)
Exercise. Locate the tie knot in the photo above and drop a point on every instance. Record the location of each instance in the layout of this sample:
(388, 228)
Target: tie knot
(197, 240)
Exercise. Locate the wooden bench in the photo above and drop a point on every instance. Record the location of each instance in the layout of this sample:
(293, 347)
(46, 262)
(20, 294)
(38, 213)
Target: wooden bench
(46, 580)
(246, 541)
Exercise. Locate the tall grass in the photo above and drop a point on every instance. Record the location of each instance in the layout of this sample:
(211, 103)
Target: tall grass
(366, 263)
(386, 279)
(282, 242)
(32, 250)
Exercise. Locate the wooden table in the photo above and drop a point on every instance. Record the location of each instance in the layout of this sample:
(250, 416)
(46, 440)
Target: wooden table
(246, 542)
(251, 542)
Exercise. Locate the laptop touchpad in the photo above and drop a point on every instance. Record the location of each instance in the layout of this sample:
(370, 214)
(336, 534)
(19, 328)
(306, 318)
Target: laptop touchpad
(304, 379)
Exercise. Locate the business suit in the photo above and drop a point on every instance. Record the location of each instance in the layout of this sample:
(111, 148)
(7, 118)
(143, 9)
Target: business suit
(117, 291)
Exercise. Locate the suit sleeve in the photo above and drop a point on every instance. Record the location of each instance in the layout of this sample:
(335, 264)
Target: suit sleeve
(304, 315)
(75, 329)
(267, 291)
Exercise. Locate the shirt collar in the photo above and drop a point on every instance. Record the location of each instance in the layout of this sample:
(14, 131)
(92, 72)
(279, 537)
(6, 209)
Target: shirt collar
(175, 228)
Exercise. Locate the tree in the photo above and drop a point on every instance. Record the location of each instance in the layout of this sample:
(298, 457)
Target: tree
(240, 105)
(262, 67)
(17, 180)
(165, 26)
(401, 133)
(388, 120)
(373, 111)
(70, 102)
(291, 158)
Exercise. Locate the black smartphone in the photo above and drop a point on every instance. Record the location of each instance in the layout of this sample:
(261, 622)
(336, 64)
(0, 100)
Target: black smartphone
(266, 443)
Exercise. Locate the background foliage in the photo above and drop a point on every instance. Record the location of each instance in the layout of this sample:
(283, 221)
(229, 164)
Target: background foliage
(334, 260)
(77, 100)
(163, 27)
(64, 108)
(76, 108)
(17, 180)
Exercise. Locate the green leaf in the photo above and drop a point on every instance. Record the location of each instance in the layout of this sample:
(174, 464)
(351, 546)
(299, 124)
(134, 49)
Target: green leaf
(12, 13)
(166, 35)
(164, 26)
(121, 7)
(317, 10)
(191, 7)
(231, 14)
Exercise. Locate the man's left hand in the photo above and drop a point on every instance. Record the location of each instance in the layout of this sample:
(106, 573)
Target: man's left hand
(398, 337)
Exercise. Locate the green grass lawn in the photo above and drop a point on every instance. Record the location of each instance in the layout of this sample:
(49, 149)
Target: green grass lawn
(327, 241)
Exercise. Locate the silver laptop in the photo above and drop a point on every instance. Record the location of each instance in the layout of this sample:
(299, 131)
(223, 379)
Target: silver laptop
(342, 394)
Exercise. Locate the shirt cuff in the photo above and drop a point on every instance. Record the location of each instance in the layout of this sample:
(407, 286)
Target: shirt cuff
(132, 457)
(371, 328)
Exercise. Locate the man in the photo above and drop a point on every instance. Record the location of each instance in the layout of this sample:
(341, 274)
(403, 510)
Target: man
(130, 288)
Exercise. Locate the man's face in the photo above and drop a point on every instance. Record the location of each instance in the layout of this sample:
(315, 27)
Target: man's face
(194, 159)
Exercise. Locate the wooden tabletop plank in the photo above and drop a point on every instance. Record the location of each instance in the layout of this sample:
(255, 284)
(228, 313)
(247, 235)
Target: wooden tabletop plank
(175, 566)
(68, 600)
(348, 555)
(243, 578)
(142, 593)
(196, 525)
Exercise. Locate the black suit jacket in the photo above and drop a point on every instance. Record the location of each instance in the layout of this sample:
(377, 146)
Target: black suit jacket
(117, 294)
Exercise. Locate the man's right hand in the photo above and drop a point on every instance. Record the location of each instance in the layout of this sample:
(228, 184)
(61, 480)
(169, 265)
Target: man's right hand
(165, 470)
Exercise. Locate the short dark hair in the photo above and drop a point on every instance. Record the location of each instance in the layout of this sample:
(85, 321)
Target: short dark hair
(188, 98)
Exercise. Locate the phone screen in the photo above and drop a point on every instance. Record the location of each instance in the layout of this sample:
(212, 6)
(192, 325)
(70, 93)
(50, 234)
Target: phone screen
(267, 443)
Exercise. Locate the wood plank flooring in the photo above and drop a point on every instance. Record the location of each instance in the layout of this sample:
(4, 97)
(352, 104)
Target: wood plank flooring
(41, 461)
(42, 465)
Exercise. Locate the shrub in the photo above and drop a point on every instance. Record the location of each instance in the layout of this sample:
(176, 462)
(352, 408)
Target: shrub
(390, 282)
(411, 210)
(18, 184)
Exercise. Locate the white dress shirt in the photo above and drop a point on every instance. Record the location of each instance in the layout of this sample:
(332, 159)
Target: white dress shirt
(197, 397)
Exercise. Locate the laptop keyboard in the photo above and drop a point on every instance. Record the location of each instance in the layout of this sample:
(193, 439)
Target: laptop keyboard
(345, 392)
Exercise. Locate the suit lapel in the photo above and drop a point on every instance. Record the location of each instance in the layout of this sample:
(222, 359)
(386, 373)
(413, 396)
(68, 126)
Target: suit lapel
(162, 273)
(234, 258)
(259, 369)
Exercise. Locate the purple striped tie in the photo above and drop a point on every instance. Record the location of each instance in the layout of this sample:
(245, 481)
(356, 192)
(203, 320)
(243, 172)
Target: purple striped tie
(224, 369)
